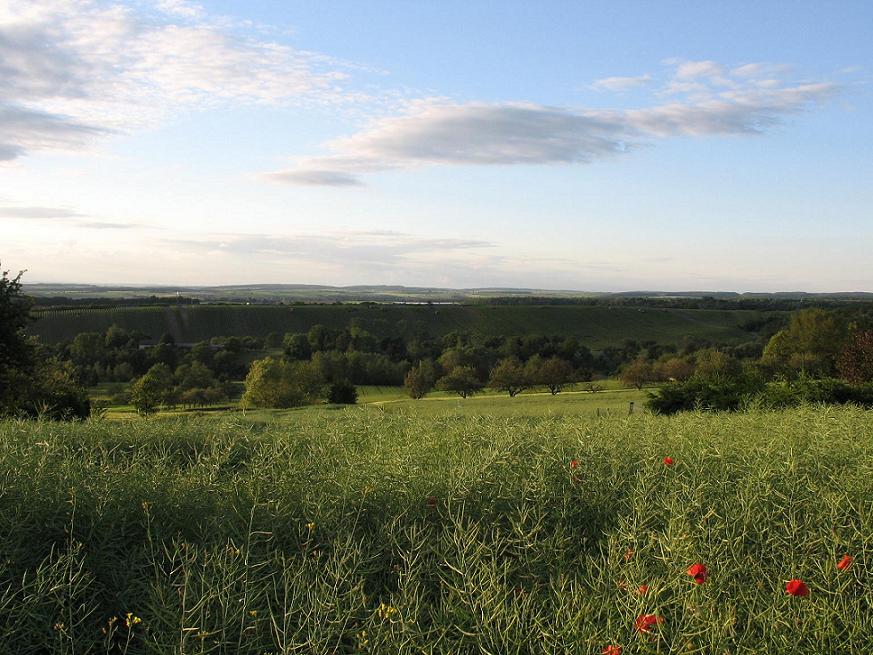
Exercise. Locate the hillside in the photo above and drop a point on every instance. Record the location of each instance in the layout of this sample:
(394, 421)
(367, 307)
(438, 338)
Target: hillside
(595, 326)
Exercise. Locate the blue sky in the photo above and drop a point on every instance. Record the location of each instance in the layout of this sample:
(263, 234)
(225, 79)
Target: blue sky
(591, 146)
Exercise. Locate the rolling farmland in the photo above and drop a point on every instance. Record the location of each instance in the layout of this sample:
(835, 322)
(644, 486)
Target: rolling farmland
(595, 326)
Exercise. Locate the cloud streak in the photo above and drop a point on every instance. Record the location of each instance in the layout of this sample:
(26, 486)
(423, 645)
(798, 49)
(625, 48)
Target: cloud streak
(712, 102)
(620, 83)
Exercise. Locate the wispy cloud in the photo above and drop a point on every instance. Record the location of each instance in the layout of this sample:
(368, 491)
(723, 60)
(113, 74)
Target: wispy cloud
(71, 70)
(620, 83)
(37, 212)
(64, 216)
(379, 248)
(716, 102)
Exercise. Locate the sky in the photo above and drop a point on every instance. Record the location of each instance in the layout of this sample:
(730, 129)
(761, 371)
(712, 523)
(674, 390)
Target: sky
(596, 146)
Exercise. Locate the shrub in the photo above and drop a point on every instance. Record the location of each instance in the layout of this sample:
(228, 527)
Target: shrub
(342, 393)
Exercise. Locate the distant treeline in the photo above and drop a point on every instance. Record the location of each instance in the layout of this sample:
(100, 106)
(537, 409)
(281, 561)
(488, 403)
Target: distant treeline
(65, 302)
(769, 303)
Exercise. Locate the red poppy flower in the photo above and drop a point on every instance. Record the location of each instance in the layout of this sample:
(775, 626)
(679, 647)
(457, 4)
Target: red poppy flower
(699, 572)
(646, 622)
(643, 589)
(796, 587)
(845, 563)
(573, 463)
(668, 461)
(611, 650)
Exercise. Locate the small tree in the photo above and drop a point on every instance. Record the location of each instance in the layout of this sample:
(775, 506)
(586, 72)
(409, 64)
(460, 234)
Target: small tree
(273, 382)
(637, 373)
(509, 375)
(856, 362)
(462, 380)
(153, 389)
(555, 373)
(420, 379)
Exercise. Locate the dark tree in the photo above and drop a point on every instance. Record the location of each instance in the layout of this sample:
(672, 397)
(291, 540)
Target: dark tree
(462, 380)
(856, 362)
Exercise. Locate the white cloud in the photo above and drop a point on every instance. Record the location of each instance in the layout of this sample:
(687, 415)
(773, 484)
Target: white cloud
(440, 132)
(71, 70)
(620, 83)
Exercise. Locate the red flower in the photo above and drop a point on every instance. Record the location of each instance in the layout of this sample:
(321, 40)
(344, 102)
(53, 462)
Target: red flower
(628, 554)
(611, 650)
(845, 563)
(796, 587)
(573, 463)
(643, 589)
(699, 572)
(646, 622)
(668, 461)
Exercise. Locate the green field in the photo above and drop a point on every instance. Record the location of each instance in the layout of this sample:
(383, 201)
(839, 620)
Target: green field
(370, 531)
(612, 400)
(595, 326)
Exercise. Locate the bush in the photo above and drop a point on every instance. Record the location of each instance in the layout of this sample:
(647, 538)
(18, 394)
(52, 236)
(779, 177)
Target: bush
(730, 395)
(342, 393)
(279, 383)
(698, 393)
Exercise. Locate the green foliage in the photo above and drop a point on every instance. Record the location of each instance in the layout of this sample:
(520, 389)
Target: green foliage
(637, 373)
(273, 382)
(698, 393)
(16, 352)
(342, 393)
(420, 379)
(154, 389)
(810, 344)
(367, 532)
(509, 375)
(462, 380)
(553, 373)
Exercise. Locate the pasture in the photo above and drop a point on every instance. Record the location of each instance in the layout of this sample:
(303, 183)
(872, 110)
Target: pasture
(369, 531)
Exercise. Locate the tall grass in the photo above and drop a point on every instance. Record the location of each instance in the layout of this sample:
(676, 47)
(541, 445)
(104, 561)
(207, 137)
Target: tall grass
(389, 533)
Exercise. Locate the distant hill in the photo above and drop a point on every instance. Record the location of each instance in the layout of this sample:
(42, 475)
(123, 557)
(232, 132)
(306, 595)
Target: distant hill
(273, 293)
(596, 326)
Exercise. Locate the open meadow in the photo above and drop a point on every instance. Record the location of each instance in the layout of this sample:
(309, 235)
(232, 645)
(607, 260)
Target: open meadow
(359, 530)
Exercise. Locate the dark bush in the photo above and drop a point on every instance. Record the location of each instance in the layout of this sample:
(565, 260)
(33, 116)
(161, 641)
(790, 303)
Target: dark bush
(342, 393)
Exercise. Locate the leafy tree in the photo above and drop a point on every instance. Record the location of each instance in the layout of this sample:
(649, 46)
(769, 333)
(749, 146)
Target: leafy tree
(16, 352)
(342, 393)
(420, 379)
(714, 364)
(856, 361)
(812, 343)
(555, 373)
(637, 373)
(462, 380)
(194, 375)
(273, 382)
(153, 389)
(673, 369)
(509, 375)
(297, 347)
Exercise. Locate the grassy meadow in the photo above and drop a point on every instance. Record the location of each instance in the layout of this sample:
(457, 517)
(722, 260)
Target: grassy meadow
(373, 531)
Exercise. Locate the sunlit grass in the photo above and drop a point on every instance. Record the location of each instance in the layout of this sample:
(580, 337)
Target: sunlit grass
(366, 531)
